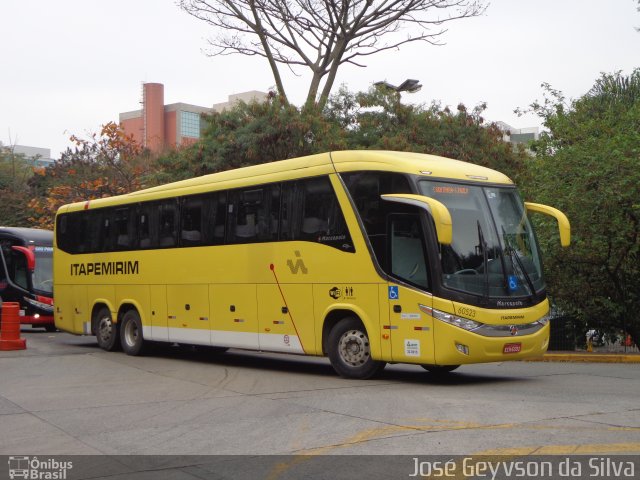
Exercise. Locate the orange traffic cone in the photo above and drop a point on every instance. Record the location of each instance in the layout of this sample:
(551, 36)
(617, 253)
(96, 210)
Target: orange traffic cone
(10, 329)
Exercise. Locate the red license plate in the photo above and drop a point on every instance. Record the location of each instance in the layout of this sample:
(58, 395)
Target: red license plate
(512, 348)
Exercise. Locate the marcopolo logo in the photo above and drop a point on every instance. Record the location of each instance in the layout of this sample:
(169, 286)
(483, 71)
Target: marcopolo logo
(38, 469)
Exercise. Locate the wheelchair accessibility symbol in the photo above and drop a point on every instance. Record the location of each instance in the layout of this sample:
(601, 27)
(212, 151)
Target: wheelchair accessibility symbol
(513, 282)
(393, 292)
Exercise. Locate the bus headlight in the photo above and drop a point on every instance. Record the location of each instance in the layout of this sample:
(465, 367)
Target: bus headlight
(460, 322)
(544, 320)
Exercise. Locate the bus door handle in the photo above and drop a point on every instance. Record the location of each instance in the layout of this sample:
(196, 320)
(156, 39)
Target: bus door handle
(397, 308)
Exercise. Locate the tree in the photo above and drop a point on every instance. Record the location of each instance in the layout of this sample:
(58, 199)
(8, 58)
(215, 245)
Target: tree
(320, 35)
(252, 133)
(274, 130)
(588, 165)
(108, 164)
(377, 119)
(15, 172)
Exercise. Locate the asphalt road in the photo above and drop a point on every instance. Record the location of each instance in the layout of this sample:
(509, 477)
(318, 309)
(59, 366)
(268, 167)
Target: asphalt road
(63, 395)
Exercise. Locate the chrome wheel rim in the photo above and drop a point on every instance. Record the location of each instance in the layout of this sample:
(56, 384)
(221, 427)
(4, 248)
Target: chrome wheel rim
(131, 333)
(105, 329)
(354, 348)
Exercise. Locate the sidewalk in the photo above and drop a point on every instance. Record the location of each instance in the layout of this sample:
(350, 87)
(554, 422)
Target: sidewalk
(588, 357)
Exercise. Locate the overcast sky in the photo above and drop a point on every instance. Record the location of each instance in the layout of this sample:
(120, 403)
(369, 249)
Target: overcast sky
(68, 66)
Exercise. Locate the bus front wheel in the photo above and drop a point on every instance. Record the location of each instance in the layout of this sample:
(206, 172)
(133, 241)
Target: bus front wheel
(106, 331)
(131, 333)
(350, 351)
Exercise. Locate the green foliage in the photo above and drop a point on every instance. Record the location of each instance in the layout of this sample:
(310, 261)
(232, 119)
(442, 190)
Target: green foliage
(264, 132)
(252, 133)
(588, 165)
(15, 172)
(106, 164)
(378, 119)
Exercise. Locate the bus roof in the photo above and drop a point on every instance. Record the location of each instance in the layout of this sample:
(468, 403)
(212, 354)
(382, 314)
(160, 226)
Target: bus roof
(34, 236)
(430, 166)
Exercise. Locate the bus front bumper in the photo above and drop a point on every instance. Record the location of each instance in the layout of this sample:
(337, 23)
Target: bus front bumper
(455, 346)
(36, 319)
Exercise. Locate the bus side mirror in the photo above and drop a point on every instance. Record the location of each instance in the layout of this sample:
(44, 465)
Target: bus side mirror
(563, 221)
(29, 255)
(437, 210)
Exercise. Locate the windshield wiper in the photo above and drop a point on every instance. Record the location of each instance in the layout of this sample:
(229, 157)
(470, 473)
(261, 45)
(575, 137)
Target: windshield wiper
(514, 254)
(485, 261)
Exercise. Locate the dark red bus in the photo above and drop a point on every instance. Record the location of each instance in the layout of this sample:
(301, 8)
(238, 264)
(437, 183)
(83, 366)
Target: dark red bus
(26, 273)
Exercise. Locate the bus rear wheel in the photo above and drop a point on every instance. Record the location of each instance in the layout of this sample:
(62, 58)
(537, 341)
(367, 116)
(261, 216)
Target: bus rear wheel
(131, 333)
(106, 331)
(439, 369)
(350, 351)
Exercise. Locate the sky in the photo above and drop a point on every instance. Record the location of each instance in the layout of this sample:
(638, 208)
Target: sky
(69, 66)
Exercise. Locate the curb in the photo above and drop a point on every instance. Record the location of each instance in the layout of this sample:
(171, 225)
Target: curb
(587, 358)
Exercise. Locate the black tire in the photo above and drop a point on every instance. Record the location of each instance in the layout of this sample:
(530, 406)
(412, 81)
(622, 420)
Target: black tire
(106, 331)
(50, 328)
(131, 333)
(439, 369)
(349, 350)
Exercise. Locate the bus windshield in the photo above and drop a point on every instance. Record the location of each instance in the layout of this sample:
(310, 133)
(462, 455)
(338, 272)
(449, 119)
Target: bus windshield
(494, 252)
(42, 275)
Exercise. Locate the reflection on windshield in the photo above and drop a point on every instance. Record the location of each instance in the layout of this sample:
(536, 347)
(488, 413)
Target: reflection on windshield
(493, 252)
(43, 274)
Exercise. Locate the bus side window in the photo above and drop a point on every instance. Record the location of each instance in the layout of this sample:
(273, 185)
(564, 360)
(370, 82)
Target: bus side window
(315, 214)
(91, 232)
(250, 219)
(147, 225)
(191, 222)
(62, 239)
(19, 269)
(274, 211)
(82, 228)
(265, 221)
(287, 211)
(365, 189)
(168, 224)
(72, 232)
(107, 230)
(124, 229)
(217, 218)
(319, 215)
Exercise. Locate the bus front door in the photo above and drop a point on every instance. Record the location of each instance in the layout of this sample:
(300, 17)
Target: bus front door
(410, 329)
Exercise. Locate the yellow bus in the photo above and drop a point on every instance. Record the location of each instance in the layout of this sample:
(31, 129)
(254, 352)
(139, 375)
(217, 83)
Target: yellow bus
(366, 257)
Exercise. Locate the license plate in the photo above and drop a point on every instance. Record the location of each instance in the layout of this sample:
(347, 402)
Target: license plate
(512, 348)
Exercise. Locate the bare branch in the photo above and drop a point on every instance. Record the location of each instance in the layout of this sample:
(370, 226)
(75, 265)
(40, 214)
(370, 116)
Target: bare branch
(321, 35)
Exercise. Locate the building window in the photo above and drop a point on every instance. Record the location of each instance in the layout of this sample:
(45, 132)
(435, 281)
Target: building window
(190, 124)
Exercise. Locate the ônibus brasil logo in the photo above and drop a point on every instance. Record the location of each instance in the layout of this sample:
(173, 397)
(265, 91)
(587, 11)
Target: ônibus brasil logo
(36, 469)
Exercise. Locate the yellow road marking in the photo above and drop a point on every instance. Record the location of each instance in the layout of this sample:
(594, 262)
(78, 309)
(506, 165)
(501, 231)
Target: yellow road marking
(451, 425)
(589, 449)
